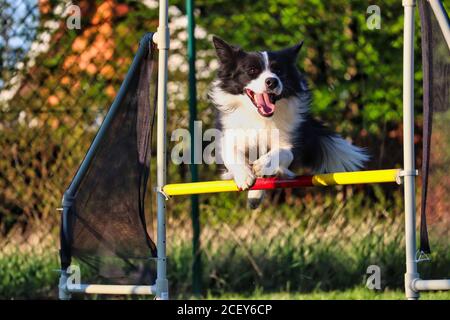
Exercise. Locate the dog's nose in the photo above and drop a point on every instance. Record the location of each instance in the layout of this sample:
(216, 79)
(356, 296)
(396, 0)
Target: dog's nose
(271, 83)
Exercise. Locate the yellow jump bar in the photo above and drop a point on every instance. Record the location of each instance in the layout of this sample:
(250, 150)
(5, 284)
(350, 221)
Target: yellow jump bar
(328, 179)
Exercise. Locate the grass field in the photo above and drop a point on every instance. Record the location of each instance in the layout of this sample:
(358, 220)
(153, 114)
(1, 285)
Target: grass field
(352, 294)
(289, 270)
(318, 250)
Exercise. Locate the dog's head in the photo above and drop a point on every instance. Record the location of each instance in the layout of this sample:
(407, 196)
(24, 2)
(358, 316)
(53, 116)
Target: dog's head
(265, 76)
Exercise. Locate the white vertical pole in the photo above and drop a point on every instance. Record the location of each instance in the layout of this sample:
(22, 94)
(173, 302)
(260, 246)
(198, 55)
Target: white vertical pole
(162, 39)
(408, 148)
(63, 292)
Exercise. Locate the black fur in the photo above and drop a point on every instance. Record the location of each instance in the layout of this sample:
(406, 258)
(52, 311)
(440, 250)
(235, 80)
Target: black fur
(237, 67)
(283, 63)
(307, 148)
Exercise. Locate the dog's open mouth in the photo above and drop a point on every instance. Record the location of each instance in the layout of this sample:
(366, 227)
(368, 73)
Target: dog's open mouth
(264, 102)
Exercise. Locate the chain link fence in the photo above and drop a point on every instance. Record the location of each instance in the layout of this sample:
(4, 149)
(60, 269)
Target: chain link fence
(57, 81)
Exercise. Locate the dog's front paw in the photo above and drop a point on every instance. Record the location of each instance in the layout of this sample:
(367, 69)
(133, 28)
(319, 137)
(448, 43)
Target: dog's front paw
(285, 172)
(244, 178)
(264, 166)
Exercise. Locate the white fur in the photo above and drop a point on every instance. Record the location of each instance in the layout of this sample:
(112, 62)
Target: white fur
(275, 162)
(340, 155)
(239, 114)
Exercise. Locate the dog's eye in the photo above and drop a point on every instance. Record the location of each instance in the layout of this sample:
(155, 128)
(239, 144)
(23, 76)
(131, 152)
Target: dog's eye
(252, 71)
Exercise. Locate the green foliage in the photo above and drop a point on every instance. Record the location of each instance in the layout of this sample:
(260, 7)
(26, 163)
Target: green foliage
(356, 73)
(28, 274)
(48, 125)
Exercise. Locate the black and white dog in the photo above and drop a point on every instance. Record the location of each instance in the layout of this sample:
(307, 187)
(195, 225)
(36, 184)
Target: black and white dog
(264, 91)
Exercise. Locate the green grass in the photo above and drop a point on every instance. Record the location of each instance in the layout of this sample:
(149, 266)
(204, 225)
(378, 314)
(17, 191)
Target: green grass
(292, 263)
(28, 275)
(351, 294)
(25, 276)
(305, 250)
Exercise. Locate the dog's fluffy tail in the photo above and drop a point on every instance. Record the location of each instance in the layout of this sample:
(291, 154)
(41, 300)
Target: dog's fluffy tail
(340, 155)
(326, 151)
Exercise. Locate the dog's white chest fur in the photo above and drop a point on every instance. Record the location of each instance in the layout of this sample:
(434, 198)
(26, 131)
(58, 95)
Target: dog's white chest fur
(241, 115)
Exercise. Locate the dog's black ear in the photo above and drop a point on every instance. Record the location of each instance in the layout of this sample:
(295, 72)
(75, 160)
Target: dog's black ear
(294, 50)
(225, 51)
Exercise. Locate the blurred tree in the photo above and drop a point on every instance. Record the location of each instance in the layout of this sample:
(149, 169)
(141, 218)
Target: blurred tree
(59, 97)
(69, 77)
(355, 72)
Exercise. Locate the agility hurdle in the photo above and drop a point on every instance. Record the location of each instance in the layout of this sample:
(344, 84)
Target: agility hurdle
(406, 175)
(319, 180)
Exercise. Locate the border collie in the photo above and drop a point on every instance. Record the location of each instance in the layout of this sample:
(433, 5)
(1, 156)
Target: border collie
(258, 92)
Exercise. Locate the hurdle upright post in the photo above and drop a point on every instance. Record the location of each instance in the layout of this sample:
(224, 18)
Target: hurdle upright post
(408, 149)
(162, 40)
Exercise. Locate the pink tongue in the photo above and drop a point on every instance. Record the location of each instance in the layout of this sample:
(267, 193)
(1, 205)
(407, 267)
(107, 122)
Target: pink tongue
(264, 105)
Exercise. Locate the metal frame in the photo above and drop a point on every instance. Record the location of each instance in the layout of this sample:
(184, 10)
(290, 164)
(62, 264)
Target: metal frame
(413, 283)
(64, 288)
(408, 146)
(162, 40)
